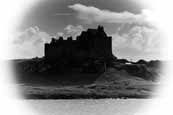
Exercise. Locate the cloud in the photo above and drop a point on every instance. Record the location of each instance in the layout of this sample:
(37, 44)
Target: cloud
(91, 14)
(58, 34)
(139, 40)
(73, 31)
(145, 39)
(30, 42)
(32, 34)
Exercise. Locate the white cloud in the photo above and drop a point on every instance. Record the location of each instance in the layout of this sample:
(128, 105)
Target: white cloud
(31, 34)
(73, 31)
(140, 40)
(118, 41)
(58, 34)
(146, 39)
(91, 14)
(30, 43)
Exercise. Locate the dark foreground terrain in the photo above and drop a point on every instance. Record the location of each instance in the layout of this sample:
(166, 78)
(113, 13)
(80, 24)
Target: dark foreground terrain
(116, 79)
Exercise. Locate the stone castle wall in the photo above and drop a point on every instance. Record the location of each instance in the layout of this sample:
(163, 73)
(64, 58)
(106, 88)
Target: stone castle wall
(92, 43)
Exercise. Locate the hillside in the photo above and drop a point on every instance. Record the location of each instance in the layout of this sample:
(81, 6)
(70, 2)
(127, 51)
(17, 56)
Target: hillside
(119, 79)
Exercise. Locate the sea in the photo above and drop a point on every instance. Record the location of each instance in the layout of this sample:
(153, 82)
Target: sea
(88, 106)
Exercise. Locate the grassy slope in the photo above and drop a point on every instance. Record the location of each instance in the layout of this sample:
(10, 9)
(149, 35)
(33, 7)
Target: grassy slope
(116, 82)
(111, 84)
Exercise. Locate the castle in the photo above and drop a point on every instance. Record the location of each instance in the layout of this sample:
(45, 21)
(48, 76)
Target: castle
(93, 43)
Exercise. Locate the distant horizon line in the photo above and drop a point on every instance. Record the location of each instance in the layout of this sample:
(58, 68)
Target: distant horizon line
(132, 60)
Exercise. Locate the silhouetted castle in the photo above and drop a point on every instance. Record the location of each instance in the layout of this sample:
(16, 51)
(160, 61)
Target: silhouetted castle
(93, 43)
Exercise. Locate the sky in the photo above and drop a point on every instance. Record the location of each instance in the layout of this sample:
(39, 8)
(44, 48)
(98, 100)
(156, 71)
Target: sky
(134, 36)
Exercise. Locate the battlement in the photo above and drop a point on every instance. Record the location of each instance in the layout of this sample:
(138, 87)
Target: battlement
(93, 43)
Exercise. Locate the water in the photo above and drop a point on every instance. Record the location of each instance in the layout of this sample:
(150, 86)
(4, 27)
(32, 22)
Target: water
(87, 107)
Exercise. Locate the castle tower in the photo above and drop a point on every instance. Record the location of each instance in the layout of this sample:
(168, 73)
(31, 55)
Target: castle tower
(93, 43)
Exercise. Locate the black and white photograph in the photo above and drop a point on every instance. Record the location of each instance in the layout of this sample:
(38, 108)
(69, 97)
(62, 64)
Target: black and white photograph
(87, 57)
